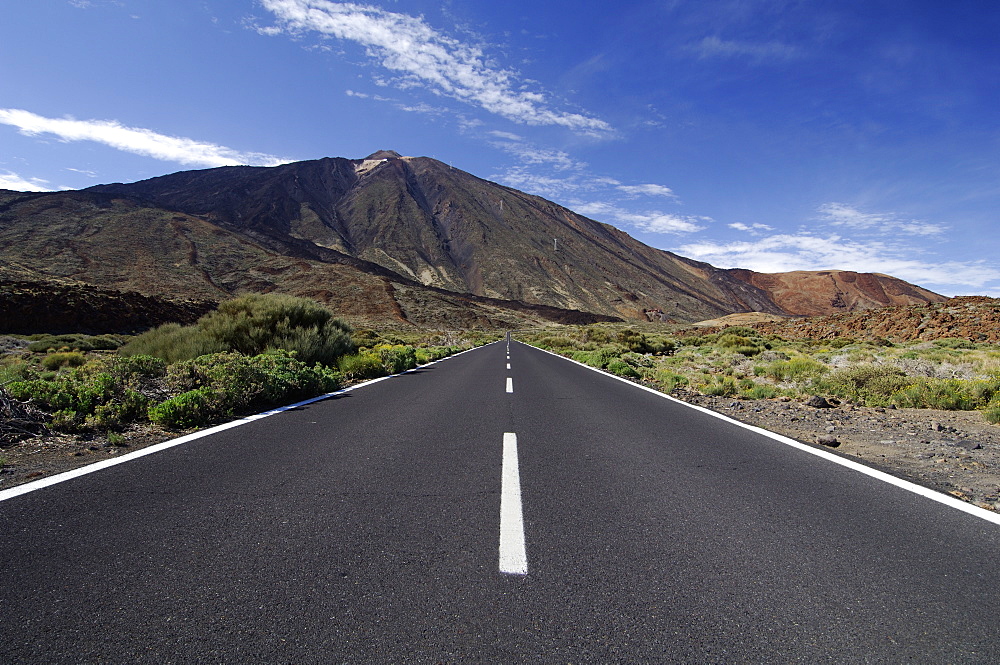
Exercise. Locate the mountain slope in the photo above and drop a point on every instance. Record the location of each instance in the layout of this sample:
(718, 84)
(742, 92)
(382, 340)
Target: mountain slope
(387, 219)
(447, 228)
(95, 239)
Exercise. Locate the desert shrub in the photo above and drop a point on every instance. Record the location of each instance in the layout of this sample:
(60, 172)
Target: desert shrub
(15, 369)
(396, 358)
(953, 343)
(61, 359)
(637, 360)
(189, 409)
(173, 342)
(253, 324)
(365, 338)
(872, 385)
(556, 342)
(99, 394)
(238, 382)
(759, 391)
(76, 342)
(719, 386)
(149, 367)
(992, 411)
(429, 354)
(841, 342)
(223, 384)
(796, 369)
(621, 368)
(948, 394)
(129, 406)
(670, 381)
(362, 366)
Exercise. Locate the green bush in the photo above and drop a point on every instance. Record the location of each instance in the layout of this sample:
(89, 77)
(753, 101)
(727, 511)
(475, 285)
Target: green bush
(362, 366)
(396, 358)
(173, 342)
(103, 393)
(190, 409)
(45, 343)
(670, 381)
(797, 368)
(253, 324)
(237, 382)
(621, 368)
(760, 391)
(61, 359)
(720, 386)
(872, 385)
(947, 394)
(992, 411)
(953, 343)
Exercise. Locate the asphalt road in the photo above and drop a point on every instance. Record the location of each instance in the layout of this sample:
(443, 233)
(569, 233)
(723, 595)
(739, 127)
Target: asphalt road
(366, 528)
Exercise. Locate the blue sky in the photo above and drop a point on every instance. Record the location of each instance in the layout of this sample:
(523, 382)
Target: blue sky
(765, 134)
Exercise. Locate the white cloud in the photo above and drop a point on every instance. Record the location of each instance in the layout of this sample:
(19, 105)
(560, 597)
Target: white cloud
(651, 221)
(531, 154)
(509, 136)
(10, 180)
(786, 252)
(750, 228)
(89, 174)
(648, 190)
(422, 56)
(842, 214)
(135, 140)
(658, 222)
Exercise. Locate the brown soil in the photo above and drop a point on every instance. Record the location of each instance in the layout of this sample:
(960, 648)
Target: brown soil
(955, 452)
(973, 318)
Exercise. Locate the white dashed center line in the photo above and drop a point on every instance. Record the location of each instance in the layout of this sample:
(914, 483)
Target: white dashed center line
(510, 385)
(513, 558)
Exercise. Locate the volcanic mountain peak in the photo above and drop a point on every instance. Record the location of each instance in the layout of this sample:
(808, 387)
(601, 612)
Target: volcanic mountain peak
(384, 154)
(403, 220)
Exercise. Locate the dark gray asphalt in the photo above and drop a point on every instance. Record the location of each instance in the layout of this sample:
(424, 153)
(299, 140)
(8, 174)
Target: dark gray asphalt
(364, 529)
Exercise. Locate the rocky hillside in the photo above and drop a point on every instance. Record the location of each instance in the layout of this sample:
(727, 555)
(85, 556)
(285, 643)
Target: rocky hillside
(390, 238)
(972, 318)
(814, 293)
(41, 307)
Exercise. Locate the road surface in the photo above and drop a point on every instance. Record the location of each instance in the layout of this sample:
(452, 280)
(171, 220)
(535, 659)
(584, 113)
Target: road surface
(494, 507)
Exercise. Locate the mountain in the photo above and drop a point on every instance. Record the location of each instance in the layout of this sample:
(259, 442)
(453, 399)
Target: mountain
(368, 236)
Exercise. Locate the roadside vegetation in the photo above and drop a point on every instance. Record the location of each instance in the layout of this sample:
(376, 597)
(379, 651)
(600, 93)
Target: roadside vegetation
(254, 352)
(742, 363)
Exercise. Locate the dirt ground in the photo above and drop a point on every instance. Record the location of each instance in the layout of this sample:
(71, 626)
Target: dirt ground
(955, 452)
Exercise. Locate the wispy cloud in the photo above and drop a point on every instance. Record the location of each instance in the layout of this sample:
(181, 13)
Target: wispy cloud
(841, 214)
(757, 52)
(10, 180)
(649, 221)
(528, 153)
(647, 190)
(785, 252)
(135, 140)
(424, 57)
(755, 229)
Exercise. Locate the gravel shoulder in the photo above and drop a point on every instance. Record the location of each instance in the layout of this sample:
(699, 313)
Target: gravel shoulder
(954, 452)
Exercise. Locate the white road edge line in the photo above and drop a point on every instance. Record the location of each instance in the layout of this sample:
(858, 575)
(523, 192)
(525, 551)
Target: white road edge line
(510, 385)
(513, 558)
(18, 490)
(933, 495)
